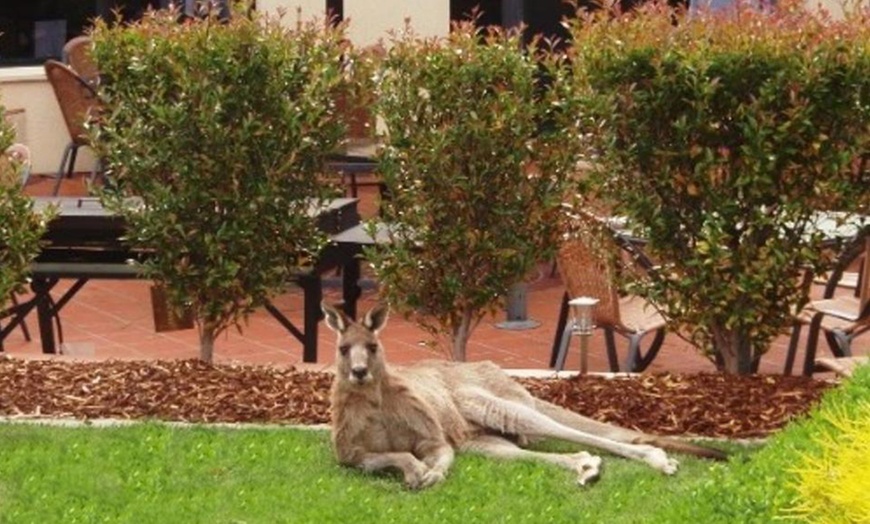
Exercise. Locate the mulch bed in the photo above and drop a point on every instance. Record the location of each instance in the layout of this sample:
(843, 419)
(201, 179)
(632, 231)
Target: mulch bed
(709, 405)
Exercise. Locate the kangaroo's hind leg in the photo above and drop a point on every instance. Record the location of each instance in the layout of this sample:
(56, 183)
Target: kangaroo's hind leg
(586, 466)
(514, 418)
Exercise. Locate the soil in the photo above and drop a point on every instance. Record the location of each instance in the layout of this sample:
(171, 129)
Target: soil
(710, 405)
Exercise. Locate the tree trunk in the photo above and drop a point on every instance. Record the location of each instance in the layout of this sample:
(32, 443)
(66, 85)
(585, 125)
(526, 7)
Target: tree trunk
(461, 333)
(735, 351)
(206, 343)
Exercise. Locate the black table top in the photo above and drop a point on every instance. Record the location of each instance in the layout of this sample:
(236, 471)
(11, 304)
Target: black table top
(84, 230)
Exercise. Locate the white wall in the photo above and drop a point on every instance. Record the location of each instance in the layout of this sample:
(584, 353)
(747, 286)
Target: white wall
(292, 8)
(371, 21)
(835, 7)
(41, 125)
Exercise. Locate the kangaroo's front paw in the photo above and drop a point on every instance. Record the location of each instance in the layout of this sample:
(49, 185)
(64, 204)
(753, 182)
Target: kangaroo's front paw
(588, 467)
(422, 477)
(657, 458)
(431, 477)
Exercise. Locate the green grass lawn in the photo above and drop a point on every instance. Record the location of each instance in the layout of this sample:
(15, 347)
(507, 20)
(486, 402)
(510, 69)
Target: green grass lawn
(155, 473)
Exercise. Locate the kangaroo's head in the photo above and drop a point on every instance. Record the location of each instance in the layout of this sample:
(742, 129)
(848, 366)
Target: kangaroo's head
(359, 359)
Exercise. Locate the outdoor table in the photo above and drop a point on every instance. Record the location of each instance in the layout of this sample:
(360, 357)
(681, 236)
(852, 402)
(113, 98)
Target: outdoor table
(356, 159)
(83, 242)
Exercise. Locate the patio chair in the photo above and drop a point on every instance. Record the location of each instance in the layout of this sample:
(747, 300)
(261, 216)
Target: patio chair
(78, 104)
(77, 54)
(841, 317)
(588, 268)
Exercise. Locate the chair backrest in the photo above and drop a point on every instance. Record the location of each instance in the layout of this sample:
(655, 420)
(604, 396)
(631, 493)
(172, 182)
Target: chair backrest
(77, 53)
(20, 154)
(588, 268)
(864, 280)
(77, 99)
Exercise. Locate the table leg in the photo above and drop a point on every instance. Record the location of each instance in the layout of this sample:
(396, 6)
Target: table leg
(17, 313)
(45, 312)
(350, 288)
(312, 289)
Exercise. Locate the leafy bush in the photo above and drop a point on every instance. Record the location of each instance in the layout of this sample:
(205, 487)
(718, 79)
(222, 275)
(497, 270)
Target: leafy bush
(720, 135)
(767, 486)
(222, 130)
(20, 227)
(475, 177)
(832, 483)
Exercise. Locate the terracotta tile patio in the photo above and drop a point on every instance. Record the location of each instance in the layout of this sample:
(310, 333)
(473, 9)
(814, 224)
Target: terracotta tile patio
(113, 320)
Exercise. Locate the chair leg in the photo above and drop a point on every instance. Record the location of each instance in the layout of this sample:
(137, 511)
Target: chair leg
(67, 154)
(792, 348)
(633, 350)
(560, 327)
(610, 343)
(642, 361)
(72, 161)
(97, 172)
(564, 342)
(843, 343)
(812, 344)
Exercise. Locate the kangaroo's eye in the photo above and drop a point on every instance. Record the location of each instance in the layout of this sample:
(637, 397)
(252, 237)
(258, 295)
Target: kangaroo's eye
(343, 349)
(372, 347)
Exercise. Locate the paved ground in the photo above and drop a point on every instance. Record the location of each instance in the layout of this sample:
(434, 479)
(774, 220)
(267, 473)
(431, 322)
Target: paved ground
(113, 320)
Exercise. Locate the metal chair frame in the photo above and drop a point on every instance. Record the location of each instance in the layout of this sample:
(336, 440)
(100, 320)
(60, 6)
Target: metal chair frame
(590, 273)
(838, 335)
(78, 104)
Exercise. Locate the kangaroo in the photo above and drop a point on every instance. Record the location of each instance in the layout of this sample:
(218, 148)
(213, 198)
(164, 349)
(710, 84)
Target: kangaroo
(413, 419)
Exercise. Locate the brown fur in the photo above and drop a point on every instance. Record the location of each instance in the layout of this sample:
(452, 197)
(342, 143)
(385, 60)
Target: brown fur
(413, 418)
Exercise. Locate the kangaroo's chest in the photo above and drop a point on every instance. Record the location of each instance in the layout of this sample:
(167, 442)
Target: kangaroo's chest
(389, 433)
(394, 425)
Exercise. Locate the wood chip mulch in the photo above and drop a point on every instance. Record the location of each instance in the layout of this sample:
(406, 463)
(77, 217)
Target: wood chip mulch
(699, 404)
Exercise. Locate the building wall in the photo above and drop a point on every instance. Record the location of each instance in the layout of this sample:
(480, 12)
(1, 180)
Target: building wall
(292, 8)
(372, 20)
(835, 7)
(41, 125)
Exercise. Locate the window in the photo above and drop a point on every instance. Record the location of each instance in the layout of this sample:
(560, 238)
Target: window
(540, 17)
(31, 32)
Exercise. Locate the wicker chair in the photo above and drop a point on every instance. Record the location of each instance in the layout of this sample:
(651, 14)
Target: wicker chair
(77, 54)
(589, 269)
(841, 317)
(78, 104)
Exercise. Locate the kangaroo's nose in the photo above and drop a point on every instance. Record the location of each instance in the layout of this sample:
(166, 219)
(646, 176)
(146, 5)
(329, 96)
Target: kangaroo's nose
(359, 373)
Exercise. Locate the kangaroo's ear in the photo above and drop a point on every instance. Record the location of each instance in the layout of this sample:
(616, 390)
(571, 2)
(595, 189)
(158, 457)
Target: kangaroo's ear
(376, 319)
(335, 318)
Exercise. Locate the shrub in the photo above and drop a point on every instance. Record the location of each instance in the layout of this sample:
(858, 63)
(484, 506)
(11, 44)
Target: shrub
(767, 486)
(475, 177)
(222, 130)
(20, 227)
(720, 135)
(832, 483)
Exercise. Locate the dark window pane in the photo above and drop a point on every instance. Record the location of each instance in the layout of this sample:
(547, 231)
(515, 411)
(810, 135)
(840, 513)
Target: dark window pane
(31, 32)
